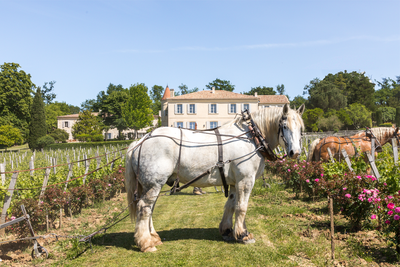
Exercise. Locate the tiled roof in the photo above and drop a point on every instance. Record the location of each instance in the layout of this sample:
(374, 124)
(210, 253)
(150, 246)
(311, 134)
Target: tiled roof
(208, 94)
(73, 116)
(167, 93)
(273, 99)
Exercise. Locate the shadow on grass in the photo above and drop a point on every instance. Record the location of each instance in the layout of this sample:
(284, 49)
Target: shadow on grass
(126, 239)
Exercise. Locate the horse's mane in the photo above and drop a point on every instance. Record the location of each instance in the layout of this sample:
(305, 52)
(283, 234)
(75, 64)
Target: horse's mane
(267, 119)
(382, 132)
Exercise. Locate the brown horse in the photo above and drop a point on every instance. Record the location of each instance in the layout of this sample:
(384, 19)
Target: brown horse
(354, 145)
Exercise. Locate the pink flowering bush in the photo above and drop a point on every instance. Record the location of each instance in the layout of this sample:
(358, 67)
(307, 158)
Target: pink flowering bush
(389, 212)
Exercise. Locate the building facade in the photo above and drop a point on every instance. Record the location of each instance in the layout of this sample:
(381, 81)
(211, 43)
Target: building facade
(210, 108)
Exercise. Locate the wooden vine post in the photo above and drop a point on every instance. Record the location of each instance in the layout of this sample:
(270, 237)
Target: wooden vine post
(7, 200)
(346, 158)
(332, 228)
(373, 166)
(395, 152)
(330, 155)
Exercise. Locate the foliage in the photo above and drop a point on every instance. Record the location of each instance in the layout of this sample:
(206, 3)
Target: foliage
(311, 117)
(378, 117)
(344, 117)
(397, 118)
(45, 141)
(60, 135)
(156, 94)
(183, 90)
(221, 85)
(325, 95)
(47, 95)
(280, 88)
(331, 123)
(297, 102)
(360, 116)
(388, 114)
(89, 104)
(136, 111)
(261, 90)
(389, 93)
(92, 137)
(9, 136)
(15, 97)
(110, 104)
(87, 127)
(37, 127)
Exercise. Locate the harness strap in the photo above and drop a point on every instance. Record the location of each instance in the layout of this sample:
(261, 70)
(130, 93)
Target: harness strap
(354, 146)
(176, 183)
(220, 163)
(135, 194)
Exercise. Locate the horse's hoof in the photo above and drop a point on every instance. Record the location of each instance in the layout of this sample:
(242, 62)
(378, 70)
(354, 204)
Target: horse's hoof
(249, 239)
(228, 238)
(150, 249)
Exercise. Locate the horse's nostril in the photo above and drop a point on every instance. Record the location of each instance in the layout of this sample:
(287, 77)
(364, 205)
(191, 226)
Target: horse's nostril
(291, 153)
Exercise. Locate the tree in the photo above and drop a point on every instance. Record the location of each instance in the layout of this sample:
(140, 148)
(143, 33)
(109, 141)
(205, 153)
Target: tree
(88, 127)
(397, 118)
(221, 85)
(311, 117)
(388, 114)
(110, 104)
(16, 90)
(360, 115)
(156, 93)
(37, 126)
(136, 111)
(184, 90)
(261, 90)
(280, 88)
(331, 123)
(344, 117)
(297, 101)
(378, 117)
(9, 136)
(89, 104)
(47, 95)
(44, 141)
(60, 135)
(325, 95)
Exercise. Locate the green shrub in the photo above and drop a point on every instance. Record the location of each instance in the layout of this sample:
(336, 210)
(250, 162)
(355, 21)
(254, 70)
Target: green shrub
(88, 144)
(60, 135)
(44, 141)
(387, 124)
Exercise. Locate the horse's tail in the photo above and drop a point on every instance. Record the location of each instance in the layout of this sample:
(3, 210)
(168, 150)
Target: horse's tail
(131, 180)
(311, 151)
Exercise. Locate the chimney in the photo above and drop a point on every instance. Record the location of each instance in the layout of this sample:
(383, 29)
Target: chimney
(255, 94)
(213, 90)
(172, 92)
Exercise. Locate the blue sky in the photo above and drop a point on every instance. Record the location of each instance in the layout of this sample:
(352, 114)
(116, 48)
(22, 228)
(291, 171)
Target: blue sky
(85, 45)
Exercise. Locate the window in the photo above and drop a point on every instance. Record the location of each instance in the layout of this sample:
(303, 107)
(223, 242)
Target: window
(246, 106)
(192, 125)
(232, 108)
(213, 108)
(192, 108)
(179, 124)
(108, 135)
(166, 112)
(66, 124)
(213, 124)
(266, 106)
(178, 109)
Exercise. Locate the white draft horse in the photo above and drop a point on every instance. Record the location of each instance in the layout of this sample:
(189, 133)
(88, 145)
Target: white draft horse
(158, 155)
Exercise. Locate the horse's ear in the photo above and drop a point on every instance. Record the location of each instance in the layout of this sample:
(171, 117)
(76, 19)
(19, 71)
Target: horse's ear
(286, 109)
(301, 109)
(397, 129)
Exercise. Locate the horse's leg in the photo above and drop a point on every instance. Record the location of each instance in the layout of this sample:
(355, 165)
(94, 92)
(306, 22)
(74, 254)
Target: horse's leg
(243, 190)
(156, 238)
(143, 236)
(225, 227)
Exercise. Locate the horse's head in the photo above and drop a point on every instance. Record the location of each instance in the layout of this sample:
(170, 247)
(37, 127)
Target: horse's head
(290, 128)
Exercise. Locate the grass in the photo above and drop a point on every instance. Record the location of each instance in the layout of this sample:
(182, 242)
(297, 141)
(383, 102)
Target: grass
(288, 232)
(15, 148)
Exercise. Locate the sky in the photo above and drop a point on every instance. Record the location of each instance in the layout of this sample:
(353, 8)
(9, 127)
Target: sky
(86, 45)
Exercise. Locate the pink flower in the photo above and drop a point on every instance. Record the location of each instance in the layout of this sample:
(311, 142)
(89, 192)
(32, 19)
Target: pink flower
(120, 165)
(119, 171)
(304, 166)
(344, 188)
(390, 197)
(316, 180)
(397, 210)
(359, 177)
(384, 183)
(348, 195)
(345, 174)
(370, 199)
(322, 175)
(109, 184)
(307, 181)
(122, 179)
(396, 217)
(115, 178)
(390, 206)
(373, 216)
(13, 218)
(387, 222)
(390, 212)
(288, 170)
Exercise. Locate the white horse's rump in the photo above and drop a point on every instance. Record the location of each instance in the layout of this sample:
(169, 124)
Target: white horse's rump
(199, 153)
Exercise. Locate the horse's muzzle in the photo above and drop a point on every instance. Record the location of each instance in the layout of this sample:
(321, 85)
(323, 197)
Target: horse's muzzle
(293, 154)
